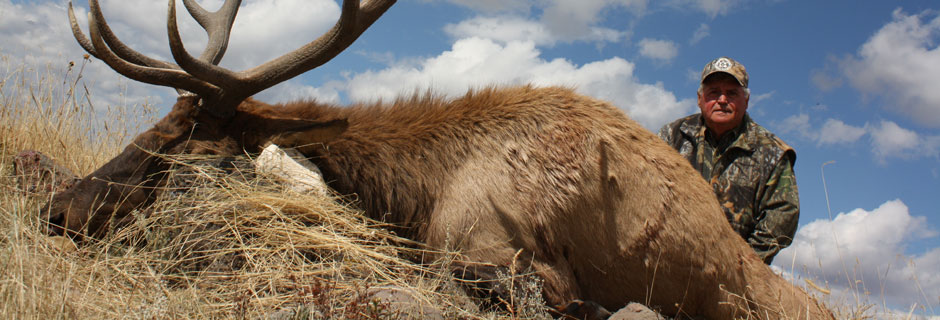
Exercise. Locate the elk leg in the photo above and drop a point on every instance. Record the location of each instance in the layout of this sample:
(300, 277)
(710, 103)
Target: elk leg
(482, 282)
(493, 286)
(579, 309)
(500, 287)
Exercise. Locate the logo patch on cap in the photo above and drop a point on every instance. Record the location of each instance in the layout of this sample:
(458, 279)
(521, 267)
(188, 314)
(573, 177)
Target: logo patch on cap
(726, 65)
(722, 64)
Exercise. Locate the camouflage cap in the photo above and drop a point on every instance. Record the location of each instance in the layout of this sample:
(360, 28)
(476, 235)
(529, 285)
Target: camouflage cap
(726, 65)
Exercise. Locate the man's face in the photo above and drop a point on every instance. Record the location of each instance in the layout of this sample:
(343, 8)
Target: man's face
(723, 103)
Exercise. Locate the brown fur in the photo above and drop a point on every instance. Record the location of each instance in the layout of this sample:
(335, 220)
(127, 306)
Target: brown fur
(598, 206)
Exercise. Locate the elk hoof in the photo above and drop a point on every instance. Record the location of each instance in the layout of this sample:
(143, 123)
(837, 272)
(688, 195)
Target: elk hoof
(583, 310)
(482, 282)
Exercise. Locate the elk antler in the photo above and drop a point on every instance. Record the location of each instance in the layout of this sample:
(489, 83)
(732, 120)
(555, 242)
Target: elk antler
(139, 67)
(218, 26)
(353, 21)
(219, 88)
(142, 71)
(121, 50)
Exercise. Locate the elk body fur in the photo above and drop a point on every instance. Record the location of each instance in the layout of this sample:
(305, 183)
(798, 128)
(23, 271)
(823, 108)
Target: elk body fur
(601, 208)
(597, 206)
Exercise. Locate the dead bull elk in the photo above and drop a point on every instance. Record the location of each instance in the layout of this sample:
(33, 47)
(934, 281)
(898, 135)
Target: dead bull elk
(599, 207)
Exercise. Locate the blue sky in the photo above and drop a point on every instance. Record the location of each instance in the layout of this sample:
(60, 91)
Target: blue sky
(854, 82)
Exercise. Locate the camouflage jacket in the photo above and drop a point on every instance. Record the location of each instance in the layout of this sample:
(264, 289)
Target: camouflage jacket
(751, 172)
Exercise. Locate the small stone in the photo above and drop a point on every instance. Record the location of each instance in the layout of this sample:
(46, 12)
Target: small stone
(636, 311)
(37, 173)
(62, 244)
(405, 303)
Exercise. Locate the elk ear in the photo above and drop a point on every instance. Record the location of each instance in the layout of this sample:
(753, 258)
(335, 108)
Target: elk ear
(310, 133)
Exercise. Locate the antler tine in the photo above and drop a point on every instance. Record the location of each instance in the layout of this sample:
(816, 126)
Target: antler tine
(153, 75)
(221, 87)
(201, 69)
(354, 20)
(218, 26)
(78, 34)
(123, 51)
(118, 47)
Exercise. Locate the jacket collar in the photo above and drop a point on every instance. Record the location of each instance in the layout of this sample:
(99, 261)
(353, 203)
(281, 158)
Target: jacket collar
(745, 137)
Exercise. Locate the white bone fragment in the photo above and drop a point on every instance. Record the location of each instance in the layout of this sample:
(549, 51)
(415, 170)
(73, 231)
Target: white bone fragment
(291, 167)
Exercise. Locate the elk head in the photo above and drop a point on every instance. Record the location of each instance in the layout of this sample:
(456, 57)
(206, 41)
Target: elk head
(213, 115)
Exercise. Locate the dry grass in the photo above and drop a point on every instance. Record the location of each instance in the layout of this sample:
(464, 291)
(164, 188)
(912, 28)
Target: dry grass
(235, 245)
(49, 111)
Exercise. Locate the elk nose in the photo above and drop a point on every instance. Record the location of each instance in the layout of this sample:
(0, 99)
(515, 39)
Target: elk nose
(55, 221)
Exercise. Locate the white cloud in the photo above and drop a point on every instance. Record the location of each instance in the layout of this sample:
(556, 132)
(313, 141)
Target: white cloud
(891, 141)
(693, 76)
(863, 251)
(796, 124)
(37, 33)
(563, 20)
(494, 5)
(578, 20)
(888, 139)
(702, 32)
(656, 49)
(712, 8)
(825, 82)
(477, 62)
(25, 27)
(255, 39)
(835, 131)
(901, 62)
(293, 90)
(760, 97)
(502, 29)
(516, 28)
(578, 11)
(571, 19)
(754, 107)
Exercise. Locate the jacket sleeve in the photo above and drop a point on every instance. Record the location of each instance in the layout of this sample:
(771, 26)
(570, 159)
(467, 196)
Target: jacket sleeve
(778, 210)
(665, 133)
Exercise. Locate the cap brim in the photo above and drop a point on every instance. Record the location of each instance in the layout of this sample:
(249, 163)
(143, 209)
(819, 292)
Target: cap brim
(725, 72)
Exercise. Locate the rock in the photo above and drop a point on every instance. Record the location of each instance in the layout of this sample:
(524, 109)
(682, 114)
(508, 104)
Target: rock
(636, 311)
(62, 244)
(37, 173)
(404, 303)
(302, 312)
(393, 302)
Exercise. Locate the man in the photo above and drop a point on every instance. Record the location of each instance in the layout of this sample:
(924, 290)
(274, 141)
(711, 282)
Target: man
(749, 168)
